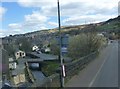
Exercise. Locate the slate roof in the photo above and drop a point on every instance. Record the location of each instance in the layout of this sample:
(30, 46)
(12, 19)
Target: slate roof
(44, 57)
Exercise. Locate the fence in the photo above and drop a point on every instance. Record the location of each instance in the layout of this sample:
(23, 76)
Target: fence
(71, 69)
(29, 73)
(74, 67)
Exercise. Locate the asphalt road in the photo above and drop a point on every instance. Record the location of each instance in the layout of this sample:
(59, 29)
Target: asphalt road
(39, 77)
(102, 72)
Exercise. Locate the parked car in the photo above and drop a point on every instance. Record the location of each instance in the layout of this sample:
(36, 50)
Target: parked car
(34, 66)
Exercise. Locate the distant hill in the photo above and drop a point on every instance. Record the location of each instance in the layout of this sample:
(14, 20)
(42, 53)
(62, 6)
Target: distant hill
(112, 25)
(38, 37)
(109, 25)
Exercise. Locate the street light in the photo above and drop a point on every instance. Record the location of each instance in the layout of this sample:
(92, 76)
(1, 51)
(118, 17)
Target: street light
(60, 52)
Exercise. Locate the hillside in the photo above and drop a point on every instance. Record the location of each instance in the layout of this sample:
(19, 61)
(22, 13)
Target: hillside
(110, 25)
(43, 36)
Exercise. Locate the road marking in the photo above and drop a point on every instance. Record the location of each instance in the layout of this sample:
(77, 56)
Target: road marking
(93, 80)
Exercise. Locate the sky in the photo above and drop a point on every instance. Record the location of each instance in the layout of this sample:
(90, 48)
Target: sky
(22, 16)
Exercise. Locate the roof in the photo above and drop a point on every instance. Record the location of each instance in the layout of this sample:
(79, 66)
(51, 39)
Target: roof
(44, 56)
(17, 50)
(20, 68)
(47, 57)
(21, 65)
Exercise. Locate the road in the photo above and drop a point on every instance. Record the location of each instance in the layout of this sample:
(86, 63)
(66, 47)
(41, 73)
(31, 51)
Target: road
(102, 72)
(39, 77)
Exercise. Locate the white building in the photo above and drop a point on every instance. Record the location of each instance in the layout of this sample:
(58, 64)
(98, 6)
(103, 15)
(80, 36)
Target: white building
(12, 64)
(35, 48)
(20, 54)
(47, 50)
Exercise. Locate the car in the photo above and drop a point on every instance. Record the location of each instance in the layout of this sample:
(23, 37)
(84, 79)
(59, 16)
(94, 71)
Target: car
(34, 66)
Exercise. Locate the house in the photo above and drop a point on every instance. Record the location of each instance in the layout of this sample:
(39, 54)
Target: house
(47, 50)
(20, 78)
(12, 63)
(19, 54)
(18, 74)
(35, 48)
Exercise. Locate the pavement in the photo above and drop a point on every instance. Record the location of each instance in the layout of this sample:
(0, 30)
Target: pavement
(101, 72)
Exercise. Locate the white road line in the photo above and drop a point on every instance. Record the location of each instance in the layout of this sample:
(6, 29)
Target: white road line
(93, 80)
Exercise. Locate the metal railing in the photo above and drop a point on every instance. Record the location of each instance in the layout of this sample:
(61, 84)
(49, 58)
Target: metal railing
(71, 69)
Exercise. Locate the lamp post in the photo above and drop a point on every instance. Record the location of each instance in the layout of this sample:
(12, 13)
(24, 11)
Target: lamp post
(60, 46)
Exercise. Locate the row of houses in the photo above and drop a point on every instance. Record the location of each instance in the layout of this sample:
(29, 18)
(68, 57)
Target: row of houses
(20, 53)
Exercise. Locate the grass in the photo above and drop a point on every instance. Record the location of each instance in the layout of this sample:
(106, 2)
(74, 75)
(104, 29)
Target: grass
(108, 27)
(50, 67)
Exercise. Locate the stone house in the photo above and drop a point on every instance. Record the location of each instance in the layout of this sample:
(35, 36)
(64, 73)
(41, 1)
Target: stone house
(20, 54)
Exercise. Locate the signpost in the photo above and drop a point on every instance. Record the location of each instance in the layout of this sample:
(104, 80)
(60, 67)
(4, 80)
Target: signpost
(64, 44)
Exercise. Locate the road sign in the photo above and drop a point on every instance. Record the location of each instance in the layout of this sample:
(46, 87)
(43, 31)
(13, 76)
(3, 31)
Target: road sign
(64, 40)
(64, 44)
(64, 49)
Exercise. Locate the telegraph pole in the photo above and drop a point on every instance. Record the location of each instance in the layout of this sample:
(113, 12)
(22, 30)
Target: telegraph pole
(60, 46)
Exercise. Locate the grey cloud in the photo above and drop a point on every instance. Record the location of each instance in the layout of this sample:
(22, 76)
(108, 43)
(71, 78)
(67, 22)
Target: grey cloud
(86, 19)
(73, 5)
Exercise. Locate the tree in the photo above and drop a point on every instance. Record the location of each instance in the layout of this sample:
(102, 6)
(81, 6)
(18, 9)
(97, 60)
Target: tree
(83, 44)
(10, 49)
(24, 44)
(54, 47)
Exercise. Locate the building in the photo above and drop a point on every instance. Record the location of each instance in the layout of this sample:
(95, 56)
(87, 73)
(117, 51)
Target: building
(35, 48)
(47, 50)
(18, 74)
(12, 63)
(19, 54)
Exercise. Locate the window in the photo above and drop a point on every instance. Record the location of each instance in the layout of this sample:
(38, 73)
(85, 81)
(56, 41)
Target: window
(22, 53)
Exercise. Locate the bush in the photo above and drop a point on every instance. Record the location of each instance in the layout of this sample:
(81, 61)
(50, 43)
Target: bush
(54, 47)
(83, 44)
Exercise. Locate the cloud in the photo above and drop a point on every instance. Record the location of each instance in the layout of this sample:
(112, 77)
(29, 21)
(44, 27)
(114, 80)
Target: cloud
(7, 32)
(35, 21)
(76, 11)
(55, 24)
(86, 19)
(32, 22)
(15, 26)
(37, 3)
(79, 7)
(72, 12)
(2, 12)
(35, 18)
